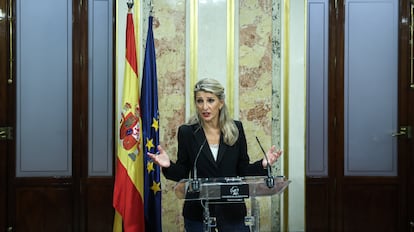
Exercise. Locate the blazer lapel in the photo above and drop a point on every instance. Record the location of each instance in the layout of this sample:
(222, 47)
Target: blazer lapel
(221, 151)
(199, 135)
(200, 138)
(207, 152)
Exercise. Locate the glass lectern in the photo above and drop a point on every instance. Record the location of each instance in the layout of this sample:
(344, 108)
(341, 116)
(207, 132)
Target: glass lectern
(228, 190)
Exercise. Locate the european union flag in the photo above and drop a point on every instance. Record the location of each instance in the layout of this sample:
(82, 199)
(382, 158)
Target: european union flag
(150, 133)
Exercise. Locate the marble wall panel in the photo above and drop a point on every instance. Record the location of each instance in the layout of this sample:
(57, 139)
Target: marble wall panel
(254, 85)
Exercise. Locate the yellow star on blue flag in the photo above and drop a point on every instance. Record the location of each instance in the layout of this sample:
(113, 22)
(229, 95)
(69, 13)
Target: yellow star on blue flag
(149, 145)
(156, 187)
(150, 167)
(155, 124)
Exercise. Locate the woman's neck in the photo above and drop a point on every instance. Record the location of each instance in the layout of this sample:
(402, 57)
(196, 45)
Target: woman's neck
(212, 133)
(211, 126)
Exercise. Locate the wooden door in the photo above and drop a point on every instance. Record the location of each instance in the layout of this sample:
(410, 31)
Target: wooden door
(5, 106)
(56, 173)
(358, 176)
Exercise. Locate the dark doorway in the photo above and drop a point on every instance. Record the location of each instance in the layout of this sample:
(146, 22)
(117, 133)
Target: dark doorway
(50, 179)
(360, 146)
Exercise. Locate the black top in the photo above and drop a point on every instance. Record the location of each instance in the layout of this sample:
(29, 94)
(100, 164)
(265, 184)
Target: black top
(232, 161)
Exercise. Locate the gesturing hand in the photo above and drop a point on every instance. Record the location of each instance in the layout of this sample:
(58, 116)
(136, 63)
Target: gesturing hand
(272, 155)
(161, 159)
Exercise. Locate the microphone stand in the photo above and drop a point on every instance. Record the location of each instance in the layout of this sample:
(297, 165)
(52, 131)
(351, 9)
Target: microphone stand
(270, 181)
(195, 183)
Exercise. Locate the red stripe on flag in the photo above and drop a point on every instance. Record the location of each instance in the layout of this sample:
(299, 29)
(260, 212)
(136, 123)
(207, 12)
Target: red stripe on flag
(132, 210)
(131, 54)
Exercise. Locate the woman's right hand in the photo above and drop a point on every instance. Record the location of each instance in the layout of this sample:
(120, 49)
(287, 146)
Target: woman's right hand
(161, 159)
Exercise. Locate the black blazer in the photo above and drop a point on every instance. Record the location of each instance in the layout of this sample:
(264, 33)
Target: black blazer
(232, 161)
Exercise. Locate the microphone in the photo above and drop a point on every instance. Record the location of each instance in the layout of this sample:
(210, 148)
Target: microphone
(195, 183)
(270, 182)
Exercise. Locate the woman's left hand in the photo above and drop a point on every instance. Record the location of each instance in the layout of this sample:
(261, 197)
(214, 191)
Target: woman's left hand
(272, 155)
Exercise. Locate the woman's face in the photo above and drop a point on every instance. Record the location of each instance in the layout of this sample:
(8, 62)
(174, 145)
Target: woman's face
(208, 106)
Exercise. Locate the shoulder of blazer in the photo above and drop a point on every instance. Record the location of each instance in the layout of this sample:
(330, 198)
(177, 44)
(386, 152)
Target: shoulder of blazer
(239, 124)
(191, 134)
(189, 128)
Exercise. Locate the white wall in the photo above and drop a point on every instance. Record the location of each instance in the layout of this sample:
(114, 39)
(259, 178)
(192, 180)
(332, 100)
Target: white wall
(294, 82)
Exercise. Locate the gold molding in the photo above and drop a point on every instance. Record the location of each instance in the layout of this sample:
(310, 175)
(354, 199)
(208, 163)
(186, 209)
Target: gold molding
(230, 57)
(286, 12)
(137, 25)
(193, 49)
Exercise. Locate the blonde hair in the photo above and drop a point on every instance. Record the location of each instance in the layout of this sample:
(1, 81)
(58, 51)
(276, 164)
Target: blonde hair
(226, 124)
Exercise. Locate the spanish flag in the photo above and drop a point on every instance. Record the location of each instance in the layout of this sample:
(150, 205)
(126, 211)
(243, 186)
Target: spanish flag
(129, 181)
